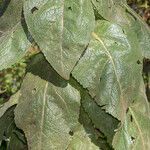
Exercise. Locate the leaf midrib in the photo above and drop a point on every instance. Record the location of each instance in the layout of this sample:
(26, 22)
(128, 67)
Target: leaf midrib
(114, 68)
(42, 115)
(138, 127)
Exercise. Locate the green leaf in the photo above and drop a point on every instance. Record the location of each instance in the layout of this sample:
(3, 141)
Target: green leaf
(15, 143)
(35, 66)
(135, 132)
(62, 30)
(111, 10)
(96, 136)
(47, 113)
(141, 29)
(101, 120)
(93, 115)
(108, 68)
(13, 41)
(81, 141)
(12, 101)
(9, 134)
(119, 12)
(6, 123)
(143, 33)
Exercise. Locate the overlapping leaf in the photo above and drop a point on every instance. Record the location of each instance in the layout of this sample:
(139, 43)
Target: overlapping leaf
(81, 141)
(13, 41)
(120, 13)
(95, 134)
(17, 141)
(101, 120)
(108, 68)
(6, 123)
(143, 33)
(111, 10)
(49, 74)
(134, 133)
(10, 136)
(47, 114)
(142, 30)
(12, 101)
(7, 116)
(61, 29)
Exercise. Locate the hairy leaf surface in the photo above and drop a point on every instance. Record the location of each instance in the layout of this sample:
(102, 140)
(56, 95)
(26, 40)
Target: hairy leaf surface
(108, 68)
(61, 29)
(47, 113)
(13, 41)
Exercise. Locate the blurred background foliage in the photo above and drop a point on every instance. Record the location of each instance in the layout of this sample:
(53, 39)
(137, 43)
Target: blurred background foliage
(11, 78)
(142, 7)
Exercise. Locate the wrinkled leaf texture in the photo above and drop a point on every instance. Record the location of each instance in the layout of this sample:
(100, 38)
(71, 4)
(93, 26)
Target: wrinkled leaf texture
(47, 113)
(76, 141)
(105, 61)
(134, 133)
(106, 68)
(117, 11)
(97, 75)
(61, 29)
